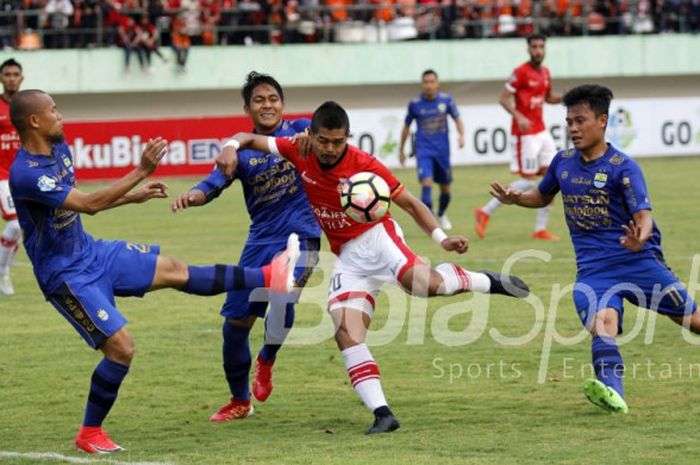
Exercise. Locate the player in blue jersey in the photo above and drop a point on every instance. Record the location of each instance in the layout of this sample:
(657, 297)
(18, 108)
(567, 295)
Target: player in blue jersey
(80, 275)
(616, 241)
(277, 206)
(432, 144)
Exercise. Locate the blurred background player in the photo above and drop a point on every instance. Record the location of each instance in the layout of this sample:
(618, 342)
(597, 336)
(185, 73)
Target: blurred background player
(11, 77)
(81, 276)
(432, 147)
(277, 206)
(368, 254)
(617, 243)
(530, 86)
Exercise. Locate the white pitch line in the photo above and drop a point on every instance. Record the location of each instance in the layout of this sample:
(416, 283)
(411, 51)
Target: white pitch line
(68, 459)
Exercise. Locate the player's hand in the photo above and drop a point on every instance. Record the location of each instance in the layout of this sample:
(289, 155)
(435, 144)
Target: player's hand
(303, 141)
(152, 154)
(632, 240)
(506, 195)
(188, 199)
(150, 190)
(227, 161)
(460, 141)
(402, 158)
(524, 123)
(457, 244)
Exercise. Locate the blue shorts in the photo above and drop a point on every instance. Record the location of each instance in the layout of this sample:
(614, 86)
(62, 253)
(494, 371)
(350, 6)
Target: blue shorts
(647, 282)
(435, 167)
(87, 300)
(238, 305)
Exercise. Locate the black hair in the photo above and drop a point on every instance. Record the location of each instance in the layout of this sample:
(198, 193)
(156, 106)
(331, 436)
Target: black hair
(597, 97)
(23, 104)
(533, 37)
(253, 80)
(429, 71)
(9, 62)
(330, 115)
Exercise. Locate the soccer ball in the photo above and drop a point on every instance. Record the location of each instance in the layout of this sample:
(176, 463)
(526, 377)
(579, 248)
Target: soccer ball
(365, 197)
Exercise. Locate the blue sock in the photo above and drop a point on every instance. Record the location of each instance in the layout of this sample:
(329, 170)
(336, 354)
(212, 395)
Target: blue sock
(104, 386)
(216, 279)
(237, 360)
(444, 202)
(268, 352)
(607, 362)
(426, 196)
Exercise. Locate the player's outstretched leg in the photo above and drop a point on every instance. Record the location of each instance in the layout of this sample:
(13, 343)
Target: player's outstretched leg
(455, 280)
(606, 392)
(9, 244)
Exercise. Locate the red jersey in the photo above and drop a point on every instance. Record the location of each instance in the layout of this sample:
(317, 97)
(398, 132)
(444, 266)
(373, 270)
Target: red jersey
(322, 186)
(9, 140)
(530, 87)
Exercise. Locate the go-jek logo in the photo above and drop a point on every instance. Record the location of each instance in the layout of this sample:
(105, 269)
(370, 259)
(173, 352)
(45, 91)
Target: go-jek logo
(621, 130)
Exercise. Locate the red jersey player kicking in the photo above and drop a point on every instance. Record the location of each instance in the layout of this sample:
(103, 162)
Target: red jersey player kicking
(368, 254)
(527, 89)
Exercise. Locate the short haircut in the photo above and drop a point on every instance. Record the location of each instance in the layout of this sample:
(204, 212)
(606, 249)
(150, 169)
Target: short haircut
(10, 62)
(596, 97)
(22, 105)
(330, 115)
(533, 37)
(255, 79)
(429, 71)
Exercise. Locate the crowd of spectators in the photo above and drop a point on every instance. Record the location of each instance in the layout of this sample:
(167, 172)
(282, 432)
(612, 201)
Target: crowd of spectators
(141, 26)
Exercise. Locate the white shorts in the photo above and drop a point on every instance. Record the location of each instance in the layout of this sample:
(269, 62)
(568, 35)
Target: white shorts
(532, 153)
(376, 256)
(7, 205)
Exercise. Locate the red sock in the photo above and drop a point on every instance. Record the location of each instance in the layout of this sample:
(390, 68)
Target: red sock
(267, 274)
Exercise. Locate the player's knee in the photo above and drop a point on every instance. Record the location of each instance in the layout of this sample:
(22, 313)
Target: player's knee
(12, 230)
(174, 270)
(121, 351)
(344, 338)
(605, 324)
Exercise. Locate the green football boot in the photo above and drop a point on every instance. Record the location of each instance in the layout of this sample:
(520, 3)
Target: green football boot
(604, 397)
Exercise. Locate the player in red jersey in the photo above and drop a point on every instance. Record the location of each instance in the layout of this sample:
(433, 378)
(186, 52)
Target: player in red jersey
(11, 77)
(526, 92)
(368, 254)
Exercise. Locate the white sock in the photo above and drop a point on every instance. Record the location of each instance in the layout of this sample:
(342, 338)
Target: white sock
(523, 185)
(542, 218)
(8, 245)
(491, 206)
(364, 376)
(456, 280)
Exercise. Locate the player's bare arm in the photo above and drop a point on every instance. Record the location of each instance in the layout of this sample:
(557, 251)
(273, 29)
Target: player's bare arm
(506, 101)
(404, 136)
(510, 196)
(460, 131)
(553, 98)
(228, 158)
(425, 219)
(191, 198)
(117, 191)
(638, 231)
(150, 190)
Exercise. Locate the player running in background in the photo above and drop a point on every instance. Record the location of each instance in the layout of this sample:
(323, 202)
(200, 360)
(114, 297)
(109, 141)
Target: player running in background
(79, 275)
(432, 146)
(617, 243)
(368, 254)
(526, 92)
(277, 206)
(11, 77)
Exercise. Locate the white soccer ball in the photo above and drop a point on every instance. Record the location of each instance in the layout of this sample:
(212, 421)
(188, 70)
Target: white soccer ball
(365, 197)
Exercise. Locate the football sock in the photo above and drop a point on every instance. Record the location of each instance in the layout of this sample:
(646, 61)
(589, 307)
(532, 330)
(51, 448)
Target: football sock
(215, 279)
(607, 362)
(237, 359)
(277, 326)
(444, 202)
(364, 376)
(426, 196)
(542, 218)
(456, 280)
(491, 206)
(9, 245)
(104, 387)
(522, 185)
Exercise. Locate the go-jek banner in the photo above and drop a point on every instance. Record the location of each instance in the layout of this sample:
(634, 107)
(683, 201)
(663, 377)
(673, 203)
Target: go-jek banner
(639, 127)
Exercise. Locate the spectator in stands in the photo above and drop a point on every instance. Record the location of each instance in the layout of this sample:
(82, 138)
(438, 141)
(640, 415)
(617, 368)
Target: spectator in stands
(181, 42)
(210, 17)
(59, 13)
(147, 39)
(129, 41)
(86, 20)
(8, 22)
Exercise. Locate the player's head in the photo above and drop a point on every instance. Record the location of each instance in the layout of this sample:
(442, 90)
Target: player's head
(263, 101)
(429, 83)
(33, 113)
(535, 48)
(11, 76)
(330, 128)
(587, 110)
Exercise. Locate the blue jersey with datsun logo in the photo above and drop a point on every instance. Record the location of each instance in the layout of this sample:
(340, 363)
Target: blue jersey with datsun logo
(431, 124)
(599, 197)
(273, 193)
